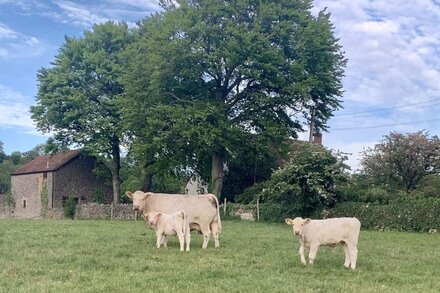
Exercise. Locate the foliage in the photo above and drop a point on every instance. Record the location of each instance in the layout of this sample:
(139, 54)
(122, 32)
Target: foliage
(10, 200)
(76, 97)
(403, 214)
(205, 75)
(79, 256)
(99, 196)
(247, 170)
(44, 198)
(16, 157)
(310, 181)
(401, 161)
(2, 153)
(69, 207)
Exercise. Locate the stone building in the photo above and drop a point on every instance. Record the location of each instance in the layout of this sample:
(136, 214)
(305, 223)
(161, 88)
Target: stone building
(65, 174)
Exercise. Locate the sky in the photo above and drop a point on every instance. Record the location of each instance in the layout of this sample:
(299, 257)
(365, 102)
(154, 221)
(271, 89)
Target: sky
(391, 83)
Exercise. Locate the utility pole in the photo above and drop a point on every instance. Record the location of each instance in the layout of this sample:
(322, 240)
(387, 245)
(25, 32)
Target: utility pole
(312, 125)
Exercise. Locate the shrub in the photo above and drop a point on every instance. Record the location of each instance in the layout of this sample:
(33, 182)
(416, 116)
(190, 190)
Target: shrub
(69, 207)
(404, 214)
(99, 196)
(44, 198)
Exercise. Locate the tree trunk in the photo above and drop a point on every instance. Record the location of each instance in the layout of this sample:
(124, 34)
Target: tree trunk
(116, 167)
(148, 182)
(217, 174)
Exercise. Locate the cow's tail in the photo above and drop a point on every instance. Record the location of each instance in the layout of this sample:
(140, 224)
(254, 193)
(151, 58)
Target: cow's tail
(218, 213)
(185, 223)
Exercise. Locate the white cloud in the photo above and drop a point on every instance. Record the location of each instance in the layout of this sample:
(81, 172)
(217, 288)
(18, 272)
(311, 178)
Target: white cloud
(14, 109)
(392, 47)
(79, 14)
(17, 45)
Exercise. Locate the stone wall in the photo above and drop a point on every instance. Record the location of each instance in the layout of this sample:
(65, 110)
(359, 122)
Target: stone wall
(77, 179)
(86, 211)
(25, 189)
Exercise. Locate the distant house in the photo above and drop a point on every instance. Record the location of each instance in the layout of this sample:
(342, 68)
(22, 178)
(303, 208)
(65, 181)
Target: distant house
(65, 174)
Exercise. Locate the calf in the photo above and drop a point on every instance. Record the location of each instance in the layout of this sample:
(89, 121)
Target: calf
(169, 224)
(330, 232)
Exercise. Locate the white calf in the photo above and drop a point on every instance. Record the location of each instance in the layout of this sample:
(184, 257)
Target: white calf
(330, 232)
(169, 224)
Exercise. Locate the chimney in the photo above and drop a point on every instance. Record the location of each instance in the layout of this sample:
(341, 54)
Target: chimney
(317, 138)
(47, 164)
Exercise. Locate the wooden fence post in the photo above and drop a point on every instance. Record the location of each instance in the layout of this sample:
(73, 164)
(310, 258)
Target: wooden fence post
(258, 209)
(224, 207)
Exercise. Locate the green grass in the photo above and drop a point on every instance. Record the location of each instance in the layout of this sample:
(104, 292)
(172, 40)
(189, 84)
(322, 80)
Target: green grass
(119, 256)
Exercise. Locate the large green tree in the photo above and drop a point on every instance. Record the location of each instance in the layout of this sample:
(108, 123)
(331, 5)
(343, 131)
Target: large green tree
(206, 76)
(400, 160)
(77, 95)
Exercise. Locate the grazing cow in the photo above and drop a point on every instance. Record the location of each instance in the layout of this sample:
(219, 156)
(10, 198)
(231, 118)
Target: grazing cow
(330, 232)
(169, 224)
(202, 210)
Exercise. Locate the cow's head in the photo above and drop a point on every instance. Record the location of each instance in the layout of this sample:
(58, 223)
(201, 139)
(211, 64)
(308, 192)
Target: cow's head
(297, 224)
(138, 197)
(152, 218)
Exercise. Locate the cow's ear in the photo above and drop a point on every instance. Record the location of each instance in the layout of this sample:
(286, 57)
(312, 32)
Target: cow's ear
(306, 221)
(146, 195)
(129, 194)
(289, 221)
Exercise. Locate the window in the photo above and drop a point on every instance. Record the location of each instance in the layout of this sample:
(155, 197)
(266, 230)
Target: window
(45, 175)
(24, 203)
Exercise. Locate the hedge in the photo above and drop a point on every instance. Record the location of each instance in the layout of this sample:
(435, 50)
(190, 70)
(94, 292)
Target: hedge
(402, 215)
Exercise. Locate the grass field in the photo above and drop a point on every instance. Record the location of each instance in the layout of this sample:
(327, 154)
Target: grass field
(119, 256)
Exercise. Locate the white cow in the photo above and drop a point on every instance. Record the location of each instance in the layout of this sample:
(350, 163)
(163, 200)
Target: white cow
(202, 210)
(169, 224)
(330, 232)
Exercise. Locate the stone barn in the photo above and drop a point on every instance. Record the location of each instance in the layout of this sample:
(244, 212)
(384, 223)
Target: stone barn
(65, 174)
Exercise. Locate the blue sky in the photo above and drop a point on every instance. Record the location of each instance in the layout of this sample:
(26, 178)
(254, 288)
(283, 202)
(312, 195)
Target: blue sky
(392, 78)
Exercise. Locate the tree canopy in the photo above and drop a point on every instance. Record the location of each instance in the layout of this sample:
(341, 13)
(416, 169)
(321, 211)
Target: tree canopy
(205, 77)
(400, 160)
(77, 95)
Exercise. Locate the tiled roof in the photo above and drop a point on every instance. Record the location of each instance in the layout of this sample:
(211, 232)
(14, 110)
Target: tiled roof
(47, 163)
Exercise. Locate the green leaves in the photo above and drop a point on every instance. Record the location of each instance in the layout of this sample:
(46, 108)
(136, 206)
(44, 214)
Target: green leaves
(400, 161)
(309, 181)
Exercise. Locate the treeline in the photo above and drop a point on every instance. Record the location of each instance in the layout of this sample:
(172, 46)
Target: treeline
(10, 163)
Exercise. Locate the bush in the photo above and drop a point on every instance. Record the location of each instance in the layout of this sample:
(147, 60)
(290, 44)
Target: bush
(44, 200)
(69, 208)
(405, 214)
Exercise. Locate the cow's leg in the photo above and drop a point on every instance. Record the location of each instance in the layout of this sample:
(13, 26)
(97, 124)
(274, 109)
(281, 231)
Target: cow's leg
(216, 234)
(181, 237)
(206, 234)
(187, 237)
(301, 254)
(164, 241)
(312, 253)
(347, 255)
(352, 248)
(158, 239)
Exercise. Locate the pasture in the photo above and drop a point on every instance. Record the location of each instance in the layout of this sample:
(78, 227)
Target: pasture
(120, 256)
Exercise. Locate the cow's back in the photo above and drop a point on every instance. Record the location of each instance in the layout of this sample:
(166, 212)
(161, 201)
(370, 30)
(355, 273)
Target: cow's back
(333, 230)
(197, 207)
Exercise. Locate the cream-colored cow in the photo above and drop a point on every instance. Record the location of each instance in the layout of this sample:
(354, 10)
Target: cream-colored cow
(329, 232)
(169, 224)
(202, 210)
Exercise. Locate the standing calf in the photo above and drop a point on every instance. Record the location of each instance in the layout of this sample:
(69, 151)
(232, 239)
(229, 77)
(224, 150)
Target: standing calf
(330, 232)
(169, 224)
